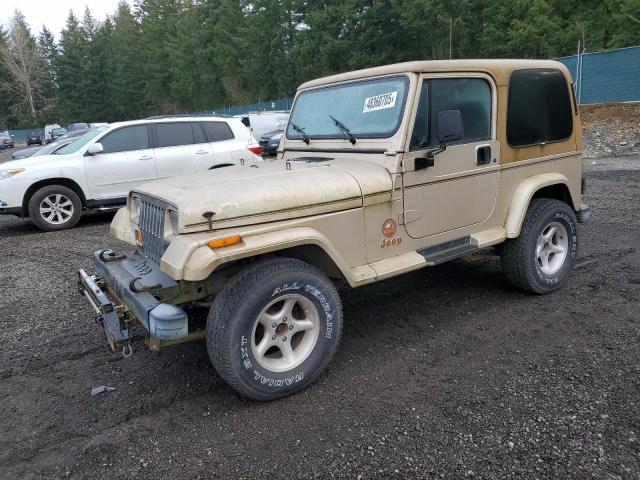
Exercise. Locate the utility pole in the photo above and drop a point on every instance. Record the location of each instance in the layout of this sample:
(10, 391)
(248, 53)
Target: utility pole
(450, 36)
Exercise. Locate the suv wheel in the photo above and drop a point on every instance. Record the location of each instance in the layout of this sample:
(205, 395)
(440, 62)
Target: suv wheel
(274, 328)
(540, 260)
(55, 207)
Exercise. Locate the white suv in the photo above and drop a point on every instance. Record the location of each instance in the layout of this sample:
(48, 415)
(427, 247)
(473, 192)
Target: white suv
(99, 168)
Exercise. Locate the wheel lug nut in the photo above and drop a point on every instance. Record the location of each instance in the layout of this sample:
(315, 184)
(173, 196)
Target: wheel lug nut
(290, 327)
(284, 339)
(284, 319)
(273, 325)
(273, 337)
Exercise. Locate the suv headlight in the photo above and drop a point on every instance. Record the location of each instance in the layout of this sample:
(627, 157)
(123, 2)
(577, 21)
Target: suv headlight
(10, 173)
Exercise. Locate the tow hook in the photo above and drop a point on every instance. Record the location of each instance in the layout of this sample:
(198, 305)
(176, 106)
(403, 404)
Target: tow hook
(127, 351)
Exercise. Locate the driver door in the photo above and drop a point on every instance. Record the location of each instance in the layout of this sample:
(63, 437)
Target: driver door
(459, 188)
(125, 162)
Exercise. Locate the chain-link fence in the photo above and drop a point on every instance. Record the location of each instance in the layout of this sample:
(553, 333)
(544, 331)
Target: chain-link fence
(269, 106)
(606, 77)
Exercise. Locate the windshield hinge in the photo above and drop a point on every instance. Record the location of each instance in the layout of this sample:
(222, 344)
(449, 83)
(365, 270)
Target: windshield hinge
(392, 153)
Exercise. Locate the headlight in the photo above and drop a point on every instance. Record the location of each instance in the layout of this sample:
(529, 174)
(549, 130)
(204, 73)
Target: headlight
(135, 209)
(277, 136)
(10, 173)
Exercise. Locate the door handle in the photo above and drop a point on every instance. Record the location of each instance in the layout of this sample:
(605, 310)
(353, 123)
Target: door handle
(483, 155)
(202, 152)
(146, 157)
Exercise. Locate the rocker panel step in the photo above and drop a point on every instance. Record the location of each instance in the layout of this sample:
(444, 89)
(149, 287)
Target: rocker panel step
(447, 251)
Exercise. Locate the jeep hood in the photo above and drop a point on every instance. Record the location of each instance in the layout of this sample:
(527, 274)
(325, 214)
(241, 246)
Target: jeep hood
(271, 191)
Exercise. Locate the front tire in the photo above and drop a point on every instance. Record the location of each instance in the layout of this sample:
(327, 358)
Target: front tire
(55, 207)
(274, 328)
(542, 257)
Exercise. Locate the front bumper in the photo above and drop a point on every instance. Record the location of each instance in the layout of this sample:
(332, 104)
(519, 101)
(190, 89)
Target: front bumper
(124, 291)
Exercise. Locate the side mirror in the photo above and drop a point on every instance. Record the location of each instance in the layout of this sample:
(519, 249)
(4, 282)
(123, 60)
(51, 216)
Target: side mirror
(450, 128)
(95, 148)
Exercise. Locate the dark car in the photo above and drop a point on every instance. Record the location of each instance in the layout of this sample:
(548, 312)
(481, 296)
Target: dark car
(34, 138)
(6, 140)
(270, 141)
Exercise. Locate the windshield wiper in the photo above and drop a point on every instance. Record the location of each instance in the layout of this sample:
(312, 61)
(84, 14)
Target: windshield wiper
(343, 128)
(300, 130)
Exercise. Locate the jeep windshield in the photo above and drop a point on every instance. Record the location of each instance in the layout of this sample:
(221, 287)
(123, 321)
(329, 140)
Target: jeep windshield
(368, 109)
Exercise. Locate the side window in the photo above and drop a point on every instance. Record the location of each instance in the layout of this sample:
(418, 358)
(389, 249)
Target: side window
(472, 96)
(198, 134)
(539, 108)
(126, 139)
(217, 131)
(174, 134)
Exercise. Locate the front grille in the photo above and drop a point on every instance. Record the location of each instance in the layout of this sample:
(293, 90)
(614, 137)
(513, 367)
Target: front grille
(151, 223)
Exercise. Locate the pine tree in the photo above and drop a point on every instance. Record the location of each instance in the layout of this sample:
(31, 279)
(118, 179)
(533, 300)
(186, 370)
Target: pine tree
(127, 76)
(71, 66)
(50, 53)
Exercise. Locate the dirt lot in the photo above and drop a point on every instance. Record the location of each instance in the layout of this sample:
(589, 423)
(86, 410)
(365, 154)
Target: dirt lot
(443, 373)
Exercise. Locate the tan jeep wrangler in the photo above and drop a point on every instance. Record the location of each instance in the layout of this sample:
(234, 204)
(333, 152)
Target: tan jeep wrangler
(381, 172)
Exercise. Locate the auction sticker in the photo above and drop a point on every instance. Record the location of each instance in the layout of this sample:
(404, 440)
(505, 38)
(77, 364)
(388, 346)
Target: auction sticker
(380, 102)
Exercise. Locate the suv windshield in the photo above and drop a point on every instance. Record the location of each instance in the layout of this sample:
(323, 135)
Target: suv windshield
(81, 141)
(368, 109)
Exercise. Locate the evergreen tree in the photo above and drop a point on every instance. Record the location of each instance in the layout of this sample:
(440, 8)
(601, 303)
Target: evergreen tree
(127, 76)
(71, 66)
(50, 52)
(159, 25)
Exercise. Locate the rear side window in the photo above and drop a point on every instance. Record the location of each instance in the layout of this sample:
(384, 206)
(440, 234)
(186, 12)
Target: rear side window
(217, 131)
(539, 108)
(126, 139)
(174, 134)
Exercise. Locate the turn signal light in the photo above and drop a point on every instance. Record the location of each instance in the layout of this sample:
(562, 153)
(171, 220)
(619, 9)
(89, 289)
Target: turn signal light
(255, 149)
(225, 242)
(139, 237)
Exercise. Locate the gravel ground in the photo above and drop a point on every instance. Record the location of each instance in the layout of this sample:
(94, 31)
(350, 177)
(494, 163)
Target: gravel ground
(443, 373)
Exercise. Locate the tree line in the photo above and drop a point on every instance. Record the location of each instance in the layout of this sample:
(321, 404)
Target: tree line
(171, 56)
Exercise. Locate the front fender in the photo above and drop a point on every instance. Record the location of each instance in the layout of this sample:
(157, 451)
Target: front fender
(522, 197)
(189, 257)
(121, 226)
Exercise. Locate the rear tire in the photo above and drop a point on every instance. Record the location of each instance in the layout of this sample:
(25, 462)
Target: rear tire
(55, 207)
(274, 328)
(541, 259)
